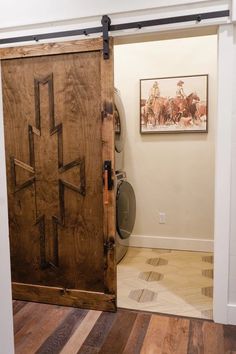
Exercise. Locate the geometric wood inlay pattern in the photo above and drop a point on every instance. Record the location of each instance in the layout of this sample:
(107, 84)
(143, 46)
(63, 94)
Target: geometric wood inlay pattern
(207, 313)
(142, 295)
(208, 291)
(157, 261)
(208, 273)
(208, 259)
(183, 286)
(31, 168)
(151, 276)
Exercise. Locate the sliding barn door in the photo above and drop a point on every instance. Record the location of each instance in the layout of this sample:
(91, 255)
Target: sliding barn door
(58, 117)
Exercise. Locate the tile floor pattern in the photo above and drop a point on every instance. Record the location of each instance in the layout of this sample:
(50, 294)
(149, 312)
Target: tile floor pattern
(166, 281)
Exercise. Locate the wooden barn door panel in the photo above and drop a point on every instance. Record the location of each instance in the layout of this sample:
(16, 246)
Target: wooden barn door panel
(58, 117)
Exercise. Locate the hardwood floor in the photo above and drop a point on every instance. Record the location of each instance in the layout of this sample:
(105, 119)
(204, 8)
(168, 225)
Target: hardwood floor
(49, 329)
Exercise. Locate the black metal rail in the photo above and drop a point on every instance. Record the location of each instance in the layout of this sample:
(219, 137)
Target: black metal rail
(169, 20)
(108, 27)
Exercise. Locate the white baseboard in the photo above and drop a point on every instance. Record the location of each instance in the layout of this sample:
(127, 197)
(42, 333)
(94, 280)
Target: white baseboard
(232, 314)
(175, 243)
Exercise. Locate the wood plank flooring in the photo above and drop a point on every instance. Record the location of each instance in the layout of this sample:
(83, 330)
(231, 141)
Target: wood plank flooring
(49, 329)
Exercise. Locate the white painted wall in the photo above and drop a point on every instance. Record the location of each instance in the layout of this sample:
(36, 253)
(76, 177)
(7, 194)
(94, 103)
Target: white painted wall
(171, 173)
(26, 12)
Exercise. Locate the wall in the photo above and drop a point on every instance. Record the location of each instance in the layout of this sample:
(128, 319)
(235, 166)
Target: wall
(171, 173)
(50, 11)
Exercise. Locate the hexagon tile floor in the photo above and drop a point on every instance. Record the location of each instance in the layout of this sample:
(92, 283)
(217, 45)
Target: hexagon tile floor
(166, 281)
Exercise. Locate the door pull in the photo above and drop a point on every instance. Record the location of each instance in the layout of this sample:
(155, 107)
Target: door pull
(108, 182)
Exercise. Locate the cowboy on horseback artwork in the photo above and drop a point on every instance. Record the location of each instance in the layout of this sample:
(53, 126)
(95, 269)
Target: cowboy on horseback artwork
(180, 90)
(165, 108)
(154, 94)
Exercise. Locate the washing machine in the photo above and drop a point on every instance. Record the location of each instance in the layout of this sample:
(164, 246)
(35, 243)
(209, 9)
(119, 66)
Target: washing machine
(125, 214)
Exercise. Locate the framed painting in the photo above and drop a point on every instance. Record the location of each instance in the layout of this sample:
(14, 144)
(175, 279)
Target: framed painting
(174, 104)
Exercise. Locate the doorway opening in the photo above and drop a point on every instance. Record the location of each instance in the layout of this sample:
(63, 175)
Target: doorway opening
(168, 267)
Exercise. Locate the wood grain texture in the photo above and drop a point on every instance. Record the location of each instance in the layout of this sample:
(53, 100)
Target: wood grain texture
(18, 305)
(196, 344)
(176, 339)
(77, 339)
(156, 332)
(62, 333)
(213, 338)
(137, 334)
(98, 334)
(229, 339)
(166, 335)
(38, 326)
(119, 333)
(61, 296)
(108, 153)
(57, 139)
(51, 329)
(85, 45)
(22, 316)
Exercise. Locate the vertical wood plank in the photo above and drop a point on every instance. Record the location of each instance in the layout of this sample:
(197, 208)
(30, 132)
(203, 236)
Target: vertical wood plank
(137, 334)
(167, 335)
(157, 329)
(57, 340)
(196, 345)
(23, 316)
(230, 339)
(108, 153)
(18, 305)
(99, 332)
(176, 339)
(77, 339)
(119, 334)
(42, 322)
(213, 338)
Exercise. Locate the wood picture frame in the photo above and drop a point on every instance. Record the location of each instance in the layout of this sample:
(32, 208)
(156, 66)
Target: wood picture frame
(176, 104)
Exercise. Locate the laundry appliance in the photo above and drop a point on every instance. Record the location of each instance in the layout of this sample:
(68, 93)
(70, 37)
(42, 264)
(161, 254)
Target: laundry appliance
(125, 214)
(125, 197)
(120, 130)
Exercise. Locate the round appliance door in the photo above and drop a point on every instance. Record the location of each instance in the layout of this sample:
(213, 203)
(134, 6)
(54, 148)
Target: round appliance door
(119, 115)
(125, 209)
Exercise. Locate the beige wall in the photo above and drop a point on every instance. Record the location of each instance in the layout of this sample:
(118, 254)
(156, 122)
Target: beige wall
(172, 173)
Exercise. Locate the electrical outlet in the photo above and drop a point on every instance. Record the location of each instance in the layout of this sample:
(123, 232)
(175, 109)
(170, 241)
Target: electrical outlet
(162, 218)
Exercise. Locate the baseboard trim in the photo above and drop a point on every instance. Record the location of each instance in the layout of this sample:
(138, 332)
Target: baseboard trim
(232, 314)
(177, 243)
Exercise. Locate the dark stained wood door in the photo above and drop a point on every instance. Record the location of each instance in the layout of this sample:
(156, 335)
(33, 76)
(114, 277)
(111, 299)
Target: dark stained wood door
(58, 117)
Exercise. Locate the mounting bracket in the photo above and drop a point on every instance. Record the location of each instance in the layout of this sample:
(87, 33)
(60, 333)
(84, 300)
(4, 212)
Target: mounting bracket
(106, 23)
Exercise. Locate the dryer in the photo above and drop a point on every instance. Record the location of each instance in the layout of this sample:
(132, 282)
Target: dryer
(120, 130)
(125, 214)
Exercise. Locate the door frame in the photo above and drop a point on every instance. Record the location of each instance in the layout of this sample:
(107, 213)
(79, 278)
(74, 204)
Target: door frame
(103, 301)
(223, 311)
